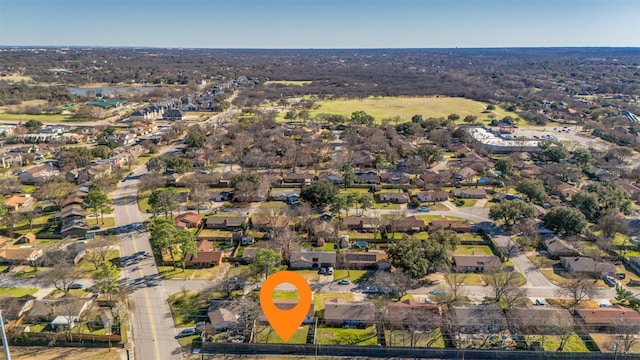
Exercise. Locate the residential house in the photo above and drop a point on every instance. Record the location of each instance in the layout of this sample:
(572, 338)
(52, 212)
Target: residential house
(360, 223)
(74, 226)
(459, 226)
(299, 179)
(289, 196)
(324, 229)
(472, 158)
(478, 320)
(23, 255)
(227, 222)
(269, 223)
(558, 248)
(333, 178)
(47, 310)
(432, 196)
(225, 314)
(458, 148)
(531, 171)
(38, 174)
(585, 266)
(373, 260)
(469, 193)
(188, 221)
(612, 319)
(13, 308)
(27, 238)
(431, 178)
(466, 173)
(427, 316)
(287, 305)
(311, 259)
(398, 178)
(539, 320)
(565, 190)
(249, 254)
(350, 314)
(393, 197)
(633, 190)
(410, 224)
(173, 114)
(366, 177)
(17, 202)
(205, 257)
(476, 263)
(220, 196)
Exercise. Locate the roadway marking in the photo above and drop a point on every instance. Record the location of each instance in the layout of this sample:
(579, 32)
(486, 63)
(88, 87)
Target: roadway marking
(146, 299)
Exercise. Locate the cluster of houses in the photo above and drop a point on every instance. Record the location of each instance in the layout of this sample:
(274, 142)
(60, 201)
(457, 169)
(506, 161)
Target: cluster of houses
(458, 323)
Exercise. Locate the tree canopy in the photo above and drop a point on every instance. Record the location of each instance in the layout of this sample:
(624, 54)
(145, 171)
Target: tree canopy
(533, 189)
(320, 193)
(565, 220)
(511, 212)
(417, 256)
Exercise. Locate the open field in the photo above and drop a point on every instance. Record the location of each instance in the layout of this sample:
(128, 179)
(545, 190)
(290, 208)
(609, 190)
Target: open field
(405, 107)
(331, 336)
(45, 118)
(54, 353)
(16, 78)
(266, 334)
(289, 82)
(16, 292)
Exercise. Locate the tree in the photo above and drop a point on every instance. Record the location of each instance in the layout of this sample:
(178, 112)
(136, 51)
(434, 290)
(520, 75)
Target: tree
(266, 262)
(98, 250)
(162, 233)
(187, 244)
(365, 201)
(320, 193)
(454, 291)
(555, 153)
(246, 186)
(196, 137)
(348, 175)
(396, 283)
(491, 107)
(512, 212)
(533, 189)
(503, 285)
(55, 191)
(470, 119)
(430, 154)
(578, 290)
(361, 118)
(565, 220)
(62, 273)
(338, 204)
(97, 201)
(156, 165)
(380, 161)
(582, 156)
(417, 256)
(504, 165)
(33, 125)
(165, 200)
(610, 224)
(453, 117)
(106, 278)
(597, 199)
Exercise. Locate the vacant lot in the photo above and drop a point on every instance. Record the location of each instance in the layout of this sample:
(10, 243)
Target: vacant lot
(289, 82)
(406, 107)
(47, 353)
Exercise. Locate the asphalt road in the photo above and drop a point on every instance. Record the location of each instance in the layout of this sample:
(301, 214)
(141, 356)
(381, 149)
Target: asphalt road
(152, 324)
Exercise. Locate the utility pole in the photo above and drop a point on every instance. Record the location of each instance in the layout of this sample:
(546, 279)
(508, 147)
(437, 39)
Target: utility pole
(7, 354)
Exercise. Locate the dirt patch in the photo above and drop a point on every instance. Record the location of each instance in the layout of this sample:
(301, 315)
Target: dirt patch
(48, 353)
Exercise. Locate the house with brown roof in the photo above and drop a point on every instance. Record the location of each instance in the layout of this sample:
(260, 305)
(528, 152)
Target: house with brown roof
(478, 319)
(225, 314)
(38, 174)
(287, 305)
(459, 226)
(476, 263)
(432, 196)
(565, 190)
(393, 197)
(411, 224)
(349, 314)
(614, 319)
(469, 193)
(398, 178)
(299, 179)
(458, 148)
(410, 311)
(465, 173)
(633, 190)
(17, 202)
(227, 222)
(205, 257)
(27, 238)
(311, 259)
(373, 259)
(48, 309)
(585, 266)
(539, 320)
(558, 248)
(267, 223)
(20, 255)
(188, 221)
(428, 180)
(249, 254)
(360, 223)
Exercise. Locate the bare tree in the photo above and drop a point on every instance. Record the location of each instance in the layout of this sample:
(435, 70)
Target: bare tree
(501, 283)
(97, 250)
(396, 282)
(454, 291)
(62, 274)
(578, 290)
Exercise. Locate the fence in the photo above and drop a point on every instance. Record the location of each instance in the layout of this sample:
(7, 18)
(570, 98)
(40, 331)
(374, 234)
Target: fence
(384, 352)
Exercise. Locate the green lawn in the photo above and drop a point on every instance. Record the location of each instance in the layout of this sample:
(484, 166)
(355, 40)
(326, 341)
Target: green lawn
(186, 305)
(45, 118)
(265, 334)
(168, 272)
(353, 275)
(108, 222)
(405, 107)
(28, 272)
(551, 343)
(285, 295)
(88, 269)
(211, 233)
(473, 250)
(289, 82)
(143, 203)
(310, 275)
(187, 340)
(431, 339)
(339, 336)
(386, 206)
(320, 297)
(467, 202)
(16, 292)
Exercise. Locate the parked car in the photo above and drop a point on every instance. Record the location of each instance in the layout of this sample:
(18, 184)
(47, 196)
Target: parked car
(370, 290)
(621, 276)
(344, 282)
(186, 332)
(436, 292)
(609, 280)
(330, 270)
(424, 209)
(76, 286)
(322, 271)
(96, 227)
(539, 302)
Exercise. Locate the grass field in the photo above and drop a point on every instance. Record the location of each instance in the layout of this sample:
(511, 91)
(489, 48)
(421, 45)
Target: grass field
(45, 118)
(289, 82)
(16, 78)
(431, 339)
(333, 336)
(552, 343)
(265, 334)
(16, 292)
(108, 222)
(55, 353)
(405, 107)
(353, 275)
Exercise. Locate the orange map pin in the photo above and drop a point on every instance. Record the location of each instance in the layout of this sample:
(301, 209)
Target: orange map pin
(285, 322)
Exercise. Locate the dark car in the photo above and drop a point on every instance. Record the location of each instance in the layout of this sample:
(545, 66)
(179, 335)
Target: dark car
(95, 227)
(76, 286)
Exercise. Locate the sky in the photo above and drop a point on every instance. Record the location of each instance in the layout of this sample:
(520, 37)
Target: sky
(320, 23)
